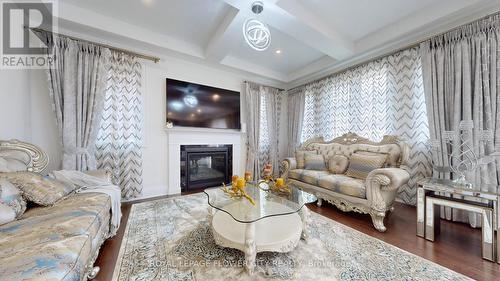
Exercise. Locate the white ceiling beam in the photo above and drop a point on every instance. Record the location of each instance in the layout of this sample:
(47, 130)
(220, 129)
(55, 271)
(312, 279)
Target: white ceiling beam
(291, 18)
(170, 57)
(325, 38)
(88, 25)
(220, 42)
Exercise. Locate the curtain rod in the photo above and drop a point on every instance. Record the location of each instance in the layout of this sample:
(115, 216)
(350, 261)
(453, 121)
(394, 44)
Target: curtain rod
(409, 46)
(135, 54)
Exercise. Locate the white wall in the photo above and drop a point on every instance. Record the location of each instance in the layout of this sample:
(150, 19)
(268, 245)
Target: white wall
(26, 113)
(44, 132)
(15, 104)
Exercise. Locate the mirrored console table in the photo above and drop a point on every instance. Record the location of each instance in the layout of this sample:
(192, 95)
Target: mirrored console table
(430, 199)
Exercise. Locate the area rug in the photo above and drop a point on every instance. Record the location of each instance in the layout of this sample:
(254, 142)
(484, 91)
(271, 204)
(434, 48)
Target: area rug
(170, 239)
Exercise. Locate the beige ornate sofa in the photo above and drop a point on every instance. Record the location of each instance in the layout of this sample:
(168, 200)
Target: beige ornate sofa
(374, 196)
(60, 242)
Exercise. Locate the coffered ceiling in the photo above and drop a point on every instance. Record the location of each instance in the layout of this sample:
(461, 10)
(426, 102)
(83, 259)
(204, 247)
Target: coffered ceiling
(311, 36)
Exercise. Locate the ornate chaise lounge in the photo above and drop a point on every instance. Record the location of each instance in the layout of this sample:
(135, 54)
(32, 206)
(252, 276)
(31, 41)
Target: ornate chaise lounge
(373, 195)
(58, 242)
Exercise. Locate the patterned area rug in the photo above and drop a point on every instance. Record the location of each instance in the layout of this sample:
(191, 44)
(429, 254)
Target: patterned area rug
(170, 239)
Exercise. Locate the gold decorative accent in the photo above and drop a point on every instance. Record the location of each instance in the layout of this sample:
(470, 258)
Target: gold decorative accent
(237, 191)
(275, 185)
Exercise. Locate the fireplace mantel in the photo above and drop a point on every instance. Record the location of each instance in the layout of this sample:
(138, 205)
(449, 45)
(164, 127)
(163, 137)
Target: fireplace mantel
(203, 130)
(178, 136)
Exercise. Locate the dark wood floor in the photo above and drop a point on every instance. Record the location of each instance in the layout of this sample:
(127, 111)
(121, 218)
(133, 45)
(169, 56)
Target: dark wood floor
(458, 247)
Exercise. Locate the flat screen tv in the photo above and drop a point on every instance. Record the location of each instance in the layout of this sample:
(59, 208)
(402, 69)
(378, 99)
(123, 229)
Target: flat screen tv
(194, 105)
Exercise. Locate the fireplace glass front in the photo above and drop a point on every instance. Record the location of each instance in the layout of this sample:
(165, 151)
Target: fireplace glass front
(205, 166)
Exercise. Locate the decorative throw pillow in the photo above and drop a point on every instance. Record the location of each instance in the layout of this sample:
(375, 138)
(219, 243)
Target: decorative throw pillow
(337, 164)
(12, 203)
(386, 155)
(314, 162)
(299, 156)
(360, 165)
(41, 190)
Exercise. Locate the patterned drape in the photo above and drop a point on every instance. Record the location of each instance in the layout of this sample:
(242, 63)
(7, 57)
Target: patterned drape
(252, 118)
(379, 98)
(77, 81)
(120, 136)
(263, 112)
(462, 82)
(296, 106)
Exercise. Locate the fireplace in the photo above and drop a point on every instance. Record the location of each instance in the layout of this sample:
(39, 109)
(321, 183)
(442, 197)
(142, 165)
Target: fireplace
(205, 166)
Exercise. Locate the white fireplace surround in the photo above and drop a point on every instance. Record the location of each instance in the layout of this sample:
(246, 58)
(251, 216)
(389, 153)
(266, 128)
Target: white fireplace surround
(178, 136)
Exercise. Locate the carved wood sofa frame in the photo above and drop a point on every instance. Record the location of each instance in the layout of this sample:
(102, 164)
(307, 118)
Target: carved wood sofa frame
(36, 160)
(381, 184)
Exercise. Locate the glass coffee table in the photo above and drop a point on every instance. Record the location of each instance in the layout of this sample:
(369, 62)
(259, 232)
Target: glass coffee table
(274, 224)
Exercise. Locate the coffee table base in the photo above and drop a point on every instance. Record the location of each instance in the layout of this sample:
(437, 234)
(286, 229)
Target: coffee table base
(272, 234)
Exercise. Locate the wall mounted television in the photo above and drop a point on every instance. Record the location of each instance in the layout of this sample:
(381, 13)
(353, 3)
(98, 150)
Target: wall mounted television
(194, 105)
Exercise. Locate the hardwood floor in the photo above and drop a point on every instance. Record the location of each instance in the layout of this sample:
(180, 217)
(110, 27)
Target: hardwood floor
(110, 249)
(458, 247)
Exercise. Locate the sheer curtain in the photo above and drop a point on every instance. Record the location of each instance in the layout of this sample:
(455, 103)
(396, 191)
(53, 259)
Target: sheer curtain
(119, 142)
(462, 82)
(379, 98)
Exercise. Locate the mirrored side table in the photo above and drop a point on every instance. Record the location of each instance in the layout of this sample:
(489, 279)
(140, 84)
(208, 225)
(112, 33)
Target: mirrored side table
(429, 202)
